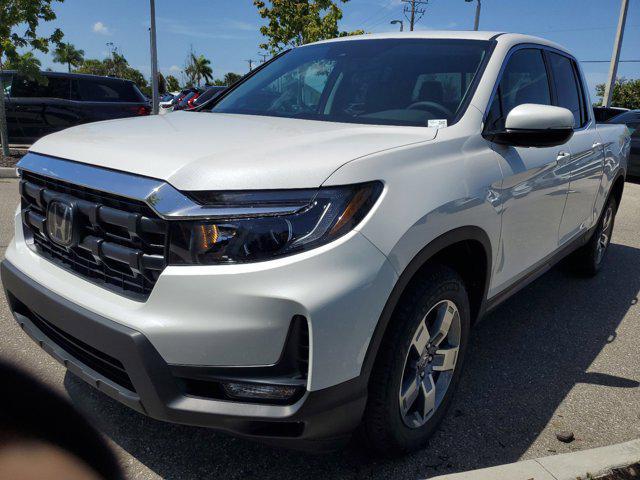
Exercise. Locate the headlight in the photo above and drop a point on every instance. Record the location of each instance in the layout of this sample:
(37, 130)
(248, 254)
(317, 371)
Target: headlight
(257, 229)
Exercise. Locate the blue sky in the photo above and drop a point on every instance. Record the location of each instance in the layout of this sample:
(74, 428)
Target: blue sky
(226, 31)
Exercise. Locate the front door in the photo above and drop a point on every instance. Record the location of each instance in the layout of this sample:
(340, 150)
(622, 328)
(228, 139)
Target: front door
(535, 181)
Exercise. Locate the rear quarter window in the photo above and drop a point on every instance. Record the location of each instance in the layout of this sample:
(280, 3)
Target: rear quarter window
(90, 90)
(48, 87)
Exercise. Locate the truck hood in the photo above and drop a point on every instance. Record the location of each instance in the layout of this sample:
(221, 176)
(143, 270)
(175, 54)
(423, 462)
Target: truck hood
(214, 151)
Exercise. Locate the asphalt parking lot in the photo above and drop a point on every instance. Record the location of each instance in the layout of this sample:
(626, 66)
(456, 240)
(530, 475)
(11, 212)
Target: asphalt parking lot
(560, 355)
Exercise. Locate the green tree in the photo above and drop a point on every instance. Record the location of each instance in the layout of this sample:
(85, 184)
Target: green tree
(162, 84)
(19, 20)
(626, 93)
(230, 78)
(173, 85)
(295, 22)
(68, 55)
(115, 66)
(199, 69)
(28, 66)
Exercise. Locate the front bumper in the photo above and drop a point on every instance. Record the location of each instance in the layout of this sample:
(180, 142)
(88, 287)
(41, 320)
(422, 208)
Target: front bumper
(240, 315)
(76, 337)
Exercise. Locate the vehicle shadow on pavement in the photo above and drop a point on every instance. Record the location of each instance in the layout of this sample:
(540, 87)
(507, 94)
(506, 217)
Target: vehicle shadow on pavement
(523, 360)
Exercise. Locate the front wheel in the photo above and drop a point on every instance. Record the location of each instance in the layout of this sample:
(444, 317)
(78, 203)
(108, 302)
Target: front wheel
(419, 364)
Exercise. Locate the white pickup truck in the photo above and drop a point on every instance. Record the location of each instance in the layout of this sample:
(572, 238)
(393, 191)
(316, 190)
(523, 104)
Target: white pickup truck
(312, 259)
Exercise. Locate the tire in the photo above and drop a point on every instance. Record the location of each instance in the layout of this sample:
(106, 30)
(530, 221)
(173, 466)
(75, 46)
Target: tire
(386, 429)
(588, 259)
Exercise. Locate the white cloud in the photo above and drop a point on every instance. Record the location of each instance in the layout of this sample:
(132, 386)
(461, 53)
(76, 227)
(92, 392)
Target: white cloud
(174, 68)
(208, 30)
(101, 28)
(239, 25)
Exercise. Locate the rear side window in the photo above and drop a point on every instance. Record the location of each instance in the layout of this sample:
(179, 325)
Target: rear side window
(567, 87)
(50, 87)
(99, 90)
(6, 84)
(524, 80)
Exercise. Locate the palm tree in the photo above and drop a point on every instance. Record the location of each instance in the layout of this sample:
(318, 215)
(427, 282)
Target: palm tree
(199, 69)
(67, 53)
(27, 64)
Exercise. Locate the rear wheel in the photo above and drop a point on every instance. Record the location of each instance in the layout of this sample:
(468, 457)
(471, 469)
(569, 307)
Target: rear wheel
(589, 259)
(419, 364)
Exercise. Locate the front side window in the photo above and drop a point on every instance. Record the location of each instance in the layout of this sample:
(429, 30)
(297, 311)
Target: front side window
(524, 80)
(566, 86)
(385, 82)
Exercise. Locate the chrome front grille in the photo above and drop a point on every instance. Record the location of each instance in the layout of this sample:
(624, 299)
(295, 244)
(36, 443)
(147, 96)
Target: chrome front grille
(120, 244)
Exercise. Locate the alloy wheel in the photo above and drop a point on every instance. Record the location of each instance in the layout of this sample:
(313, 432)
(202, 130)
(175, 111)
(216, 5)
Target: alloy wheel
(430, 363)
(605, 234)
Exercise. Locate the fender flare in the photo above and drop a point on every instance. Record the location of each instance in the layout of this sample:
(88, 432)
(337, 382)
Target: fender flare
(445, 240)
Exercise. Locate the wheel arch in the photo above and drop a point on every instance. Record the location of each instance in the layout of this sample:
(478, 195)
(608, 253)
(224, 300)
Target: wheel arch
(452, 249)
(617, 188)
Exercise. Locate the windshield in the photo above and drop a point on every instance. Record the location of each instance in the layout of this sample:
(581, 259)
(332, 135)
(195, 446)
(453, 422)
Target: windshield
(414, 82)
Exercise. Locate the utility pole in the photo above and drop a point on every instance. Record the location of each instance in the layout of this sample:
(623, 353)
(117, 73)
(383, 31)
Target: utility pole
(264, 57)
(413, 11)
(615, 56)
(154, 61)
(250, 62)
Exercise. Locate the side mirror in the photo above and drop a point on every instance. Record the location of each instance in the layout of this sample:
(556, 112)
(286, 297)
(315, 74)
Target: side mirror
(533, 125)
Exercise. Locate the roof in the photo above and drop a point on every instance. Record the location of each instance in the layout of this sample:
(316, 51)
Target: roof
(506, 37)
(48, 73)
(426, 34)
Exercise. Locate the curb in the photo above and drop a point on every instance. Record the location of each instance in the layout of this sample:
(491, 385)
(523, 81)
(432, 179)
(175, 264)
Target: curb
(8, 172)
(567, 466)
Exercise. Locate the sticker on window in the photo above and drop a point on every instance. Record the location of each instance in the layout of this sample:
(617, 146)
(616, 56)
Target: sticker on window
(438, 123)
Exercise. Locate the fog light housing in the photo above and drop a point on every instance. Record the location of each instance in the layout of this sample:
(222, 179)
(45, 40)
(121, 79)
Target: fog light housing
(260, 391)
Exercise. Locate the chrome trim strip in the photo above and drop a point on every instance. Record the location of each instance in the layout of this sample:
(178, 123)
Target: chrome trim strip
(164, 199)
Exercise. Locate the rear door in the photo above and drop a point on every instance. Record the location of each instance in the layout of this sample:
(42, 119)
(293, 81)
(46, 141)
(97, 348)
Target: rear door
(586, 163)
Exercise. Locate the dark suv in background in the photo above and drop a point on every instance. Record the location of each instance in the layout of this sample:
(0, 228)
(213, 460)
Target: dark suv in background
(35, 109)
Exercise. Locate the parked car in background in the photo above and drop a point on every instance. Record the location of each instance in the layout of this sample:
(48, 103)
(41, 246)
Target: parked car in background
(183, 103)
(311, 264)
(210, 93)
(631, 119)
(166, 99)
(35, 109)
(177, 97)
(602, 114)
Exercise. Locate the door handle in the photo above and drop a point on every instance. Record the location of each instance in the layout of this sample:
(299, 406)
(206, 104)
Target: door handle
(562, 158)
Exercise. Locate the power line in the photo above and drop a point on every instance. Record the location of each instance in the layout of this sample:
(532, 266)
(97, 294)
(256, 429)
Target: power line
(376, 13)
(413, 11)
(608, 61)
